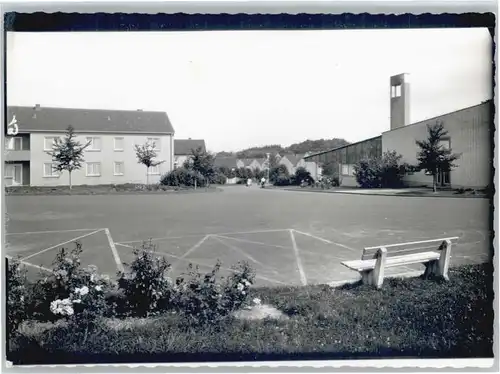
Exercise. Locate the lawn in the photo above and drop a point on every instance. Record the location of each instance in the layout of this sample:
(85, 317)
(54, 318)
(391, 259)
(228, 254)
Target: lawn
(407, 317)
(104, 189)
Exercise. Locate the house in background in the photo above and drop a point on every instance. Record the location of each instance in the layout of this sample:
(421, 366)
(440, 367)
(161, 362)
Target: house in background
(290, 161)
(227, 162)
(183, 149)
(110, 158)
(469, 135)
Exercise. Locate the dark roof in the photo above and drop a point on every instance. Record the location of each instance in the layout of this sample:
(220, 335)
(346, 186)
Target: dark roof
(228, 162)
(344, 146)
(185, 146)
(32, 119)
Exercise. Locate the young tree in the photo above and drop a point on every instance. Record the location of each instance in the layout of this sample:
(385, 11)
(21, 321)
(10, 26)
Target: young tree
(302, 174)
(146, 154)
(67, 154)
(433, 157)
(201, 162)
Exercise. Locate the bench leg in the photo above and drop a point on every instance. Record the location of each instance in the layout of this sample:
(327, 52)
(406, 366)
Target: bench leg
(439, 268)
(375, 277)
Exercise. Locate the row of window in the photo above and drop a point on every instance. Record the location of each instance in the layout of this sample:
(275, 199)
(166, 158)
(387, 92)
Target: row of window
(93, 169)
(95, 143)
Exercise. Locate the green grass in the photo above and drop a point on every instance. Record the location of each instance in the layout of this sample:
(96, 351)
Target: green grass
(406, 318)
(100, 189)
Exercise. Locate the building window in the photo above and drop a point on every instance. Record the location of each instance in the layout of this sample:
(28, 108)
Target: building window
(347, 170)
(49, 141)
(49, 171)
(156, 143)
(154, 170)
(95, 143)
(93, 169)
(396, 91)
(119, 142)
(14, 144)
(445, 143)
(119, 168)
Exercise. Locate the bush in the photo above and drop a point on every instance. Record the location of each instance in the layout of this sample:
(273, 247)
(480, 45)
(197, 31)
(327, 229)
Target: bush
(182, 177)
(16, 295)
(302, 174)
(279, 173)
(385, 172)
(146, 287)
(201, 299)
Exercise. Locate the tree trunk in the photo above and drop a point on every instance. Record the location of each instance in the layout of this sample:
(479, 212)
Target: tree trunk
(434, 182)
(69, 172)
(147, 175)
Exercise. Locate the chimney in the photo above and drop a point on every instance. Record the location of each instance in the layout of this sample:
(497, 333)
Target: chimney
(400, 100)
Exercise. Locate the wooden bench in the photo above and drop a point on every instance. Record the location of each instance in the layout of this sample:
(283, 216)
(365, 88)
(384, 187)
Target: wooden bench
(434, 254)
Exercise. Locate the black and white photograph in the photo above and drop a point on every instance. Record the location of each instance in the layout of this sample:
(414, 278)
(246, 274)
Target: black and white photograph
(222, 194)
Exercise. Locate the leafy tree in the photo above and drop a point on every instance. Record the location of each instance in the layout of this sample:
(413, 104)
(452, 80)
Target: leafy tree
(146, 154)
(302, 174)
(201, 162)
(386, 171)
(329, 169)
(67, 154)
(433, 157)
(278, 173)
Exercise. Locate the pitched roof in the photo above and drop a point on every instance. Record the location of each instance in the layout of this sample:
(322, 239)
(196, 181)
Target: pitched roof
(228, 162)
(294, 159)
(185, 146)
(38, 118)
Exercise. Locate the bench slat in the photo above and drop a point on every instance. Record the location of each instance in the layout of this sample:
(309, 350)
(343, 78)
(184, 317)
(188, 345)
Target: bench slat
(395, 250)
(402, 251)
(422, 257)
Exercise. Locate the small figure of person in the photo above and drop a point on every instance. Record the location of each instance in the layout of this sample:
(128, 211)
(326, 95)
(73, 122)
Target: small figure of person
(249, 182)
(262, 182)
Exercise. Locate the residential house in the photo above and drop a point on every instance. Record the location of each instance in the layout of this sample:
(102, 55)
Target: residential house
(290, 161)
(183, 149)
(109, 159)
(227, 162)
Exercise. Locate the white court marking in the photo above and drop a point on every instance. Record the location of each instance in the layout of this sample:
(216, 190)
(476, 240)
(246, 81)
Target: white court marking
(303, 278)
(192, 249)
(116, 256)
(57, 245)
(326, 240)
(239, 250)
(31, 265)
(48, 232)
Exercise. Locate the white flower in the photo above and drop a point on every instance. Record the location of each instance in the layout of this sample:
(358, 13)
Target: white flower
(98, 288)
(92, 278)
(256, 301)
(247, 283)
(243, 293)
(84, 290)
(77, 301)
(68, 261)
(240, 287)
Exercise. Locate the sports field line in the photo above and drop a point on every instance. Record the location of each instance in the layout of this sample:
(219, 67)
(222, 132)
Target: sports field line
(239, 250)
(192, 249)
(326, 240)
(57, 245)
(116, 256)
(48, 232)
(202, 235)
(30, 264)
(302, 273)
(253, 242)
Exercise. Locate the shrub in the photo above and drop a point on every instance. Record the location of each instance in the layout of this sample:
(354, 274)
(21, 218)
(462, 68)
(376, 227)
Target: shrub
(302, 174)
(283, 180)
(279, 172)
(385, 172)
(182, 177)
(146, 287)
(219, 178)
(16, 292)
(201, 299)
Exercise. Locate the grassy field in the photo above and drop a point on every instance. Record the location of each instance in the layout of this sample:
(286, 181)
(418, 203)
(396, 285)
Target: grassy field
(406, 318)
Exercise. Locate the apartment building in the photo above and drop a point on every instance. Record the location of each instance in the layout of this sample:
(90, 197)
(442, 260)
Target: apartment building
(109, 159)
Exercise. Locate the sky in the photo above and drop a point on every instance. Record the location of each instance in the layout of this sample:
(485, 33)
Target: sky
(238, 89)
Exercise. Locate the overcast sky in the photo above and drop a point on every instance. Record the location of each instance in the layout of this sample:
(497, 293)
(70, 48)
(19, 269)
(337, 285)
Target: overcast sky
(237, 89)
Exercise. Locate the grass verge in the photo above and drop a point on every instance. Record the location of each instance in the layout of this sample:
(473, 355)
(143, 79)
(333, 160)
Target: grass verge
(104, 189)
(406, 318)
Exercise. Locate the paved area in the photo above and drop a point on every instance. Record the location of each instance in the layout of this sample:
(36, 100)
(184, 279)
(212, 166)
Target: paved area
(289, 238)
